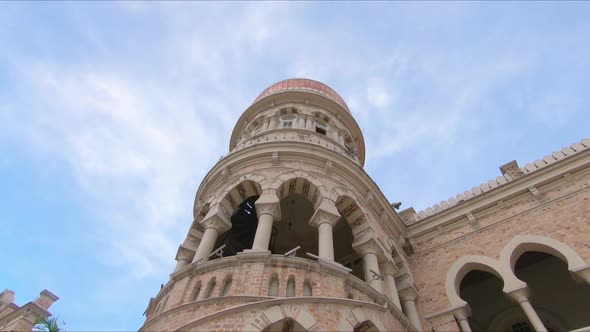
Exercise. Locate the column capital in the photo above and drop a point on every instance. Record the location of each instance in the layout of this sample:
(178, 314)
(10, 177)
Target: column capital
(408, 294)
(370, 246)
(520, 295)
(217, 220)
(268, 203)
(184, 253)
(324, 216)
(325, 212)
(389, 268)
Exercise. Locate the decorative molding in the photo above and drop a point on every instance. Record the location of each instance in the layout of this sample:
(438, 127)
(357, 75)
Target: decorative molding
(510, 172)
(217, 220)
(184, 253)
(328, 167)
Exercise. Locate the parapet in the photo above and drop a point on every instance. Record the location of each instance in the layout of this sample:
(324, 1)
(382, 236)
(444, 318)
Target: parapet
(510, 172)
(17, 318)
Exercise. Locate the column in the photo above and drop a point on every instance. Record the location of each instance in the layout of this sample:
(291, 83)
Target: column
(461, 314)
(183, 258)
(266, 124)
(263, 232)
(389, 271)
(368, 248)
(267, 209)
(326, 241)
(333, 133)
(324, 218)
(341, 138)
(214, 223)
(522, 297)
(301, 121)
(408, 298)
(206, 246)
(370, 262)
(274, 122)
(309, 123)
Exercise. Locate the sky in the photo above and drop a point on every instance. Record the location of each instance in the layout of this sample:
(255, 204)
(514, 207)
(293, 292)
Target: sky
(111, 113)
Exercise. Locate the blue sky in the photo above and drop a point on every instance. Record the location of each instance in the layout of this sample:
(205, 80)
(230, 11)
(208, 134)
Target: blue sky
(112, 113)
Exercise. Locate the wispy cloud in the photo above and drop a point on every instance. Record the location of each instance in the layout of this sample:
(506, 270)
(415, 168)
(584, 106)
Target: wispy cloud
(137, 100)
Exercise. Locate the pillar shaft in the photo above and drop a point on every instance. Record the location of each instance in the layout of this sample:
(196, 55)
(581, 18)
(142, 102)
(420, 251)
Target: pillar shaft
(532, 316)
(412, 313)
(206, 246)
(326, 241)
(301, 122)
(309, 123)
(263, 233)
(464, 324)
(370, 263)
(392, 290)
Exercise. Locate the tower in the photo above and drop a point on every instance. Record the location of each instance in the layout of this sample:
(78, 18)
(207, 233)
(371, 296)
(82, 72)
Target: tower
(289, 231)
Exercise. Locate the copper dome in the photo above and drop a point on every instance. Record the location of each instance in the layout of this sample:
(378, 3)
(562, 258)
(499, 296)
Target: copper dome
(303, 84)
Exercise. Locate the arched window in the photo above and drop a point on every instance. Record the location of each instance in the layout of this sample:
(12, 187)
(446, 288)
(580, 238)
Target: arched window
(291, 286)
(307, 289)
(257, 129)
(366, 326)
(287, 120)
(285, 325)
(210, 288)
(196, 291)
(273, 286)
(226, 286)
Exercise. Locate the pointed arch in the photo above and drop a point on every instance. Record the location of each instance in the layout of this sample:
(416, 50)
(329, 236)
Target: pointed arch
(523, 243)
(366, 326)
(226, 285)
(277, 313)
(299, 182)
(237, 192)
(482, 263)
(357, 320)
(195, 291)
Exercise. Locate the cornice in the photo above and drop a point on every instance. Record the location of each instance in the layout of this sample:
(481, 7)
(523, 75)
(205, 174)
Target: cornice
(490, 199)
(298, 300)
(307, 152)
(300, 97)
(503, 220)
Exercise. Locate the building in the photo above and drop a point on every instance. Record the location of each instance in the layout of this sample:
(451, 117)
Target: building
(23, 318)
(291, 234)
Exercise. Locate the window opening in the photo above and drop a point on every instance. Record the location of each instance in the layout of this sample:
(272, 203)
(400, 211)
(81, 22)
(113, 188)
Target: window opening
(288, 120)
(321, 127)
(273, 287)
(210, 288)
(291, 286)
(307, 291)
(226, 286)
(196, 291)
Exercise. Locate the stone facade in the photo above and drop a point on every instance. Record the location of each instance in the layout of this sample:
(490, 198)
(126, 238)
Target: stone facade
(23, 318)
(290, 233)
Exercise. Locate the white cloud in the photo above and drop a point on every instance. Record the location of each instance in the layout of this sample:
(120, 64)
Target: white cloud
(377, 93)
(112, 131)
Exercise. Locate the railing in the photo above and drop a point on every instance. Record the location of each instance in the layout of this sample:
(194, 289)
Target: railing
(298, 136)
